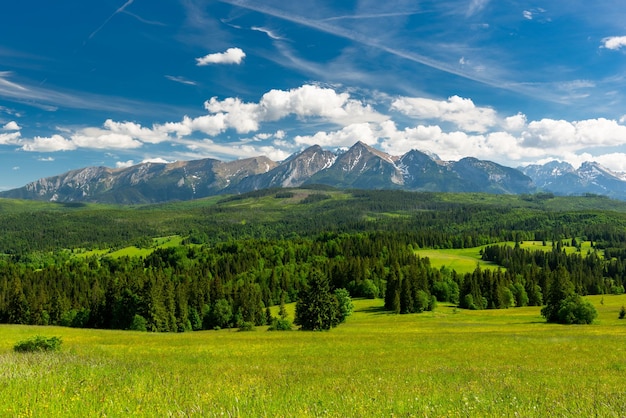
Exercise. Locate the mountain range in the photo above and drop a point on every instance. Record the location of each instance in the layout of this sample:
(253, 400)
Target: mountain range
(360, 167)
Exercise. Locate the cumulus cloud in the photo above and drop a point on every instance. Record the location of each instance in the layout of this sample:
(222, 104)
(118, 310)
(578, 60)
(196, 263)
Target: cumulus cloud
(565, 135)
(136, 131)
(234, 150)
(460, 111)
(95, 138)
(308, 101)
(9, 138)
(614, 42)
(53, 143)
(515, 123)
(452, 128)
(348, 136)
(124, 164)
(156, 160)
(11, 126)
(231, 56)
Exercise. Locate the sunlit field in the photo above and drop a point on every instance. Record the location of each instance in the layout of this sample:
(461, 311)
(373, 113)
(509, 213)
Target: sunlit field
(449, 362)
(465, 260)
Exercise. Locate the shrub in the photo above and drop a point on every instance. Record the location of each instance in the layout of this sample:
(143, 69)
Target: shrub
(247, 326)
(139, 323)
(368, 289)
(468, 302)
(278, 324)
(38, 343)
(345, 304)
(622, 312)
(575, 310)
(421, 302)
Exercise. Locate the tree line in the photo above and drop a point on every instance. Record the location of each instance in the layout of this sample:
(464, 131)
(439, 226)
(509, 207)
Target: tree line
(205, 287)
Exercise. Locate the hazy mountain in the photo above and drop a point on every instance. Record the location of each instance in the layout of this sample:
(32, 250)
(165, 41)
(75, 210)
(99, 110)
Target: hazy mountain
(359, 167)
(292, 172)
(486, 176)
(143, 183)
(562, 179)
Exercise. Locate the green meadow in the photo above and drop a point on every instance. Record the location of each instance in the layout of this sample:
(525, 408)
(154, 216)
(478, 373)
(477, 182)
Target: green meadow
(448, 362)
(465, 260)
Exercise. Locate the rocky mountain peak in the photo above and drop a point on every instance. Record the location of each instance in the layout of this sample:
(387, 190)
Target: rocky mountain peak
(359, 167)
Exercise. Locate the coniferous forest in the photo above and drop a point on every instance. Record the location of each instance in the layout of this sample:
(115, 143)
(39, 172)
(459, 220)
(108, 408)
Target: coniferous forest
(242, 254)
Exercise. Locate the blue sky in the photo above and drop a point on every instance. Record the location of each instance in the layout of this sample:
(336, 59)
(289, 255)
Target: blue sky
(119, 82)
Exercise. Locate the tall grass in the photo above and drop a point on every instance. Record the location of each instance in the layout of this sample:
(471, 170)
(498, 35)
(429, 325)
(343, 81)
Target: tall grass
(445, 363)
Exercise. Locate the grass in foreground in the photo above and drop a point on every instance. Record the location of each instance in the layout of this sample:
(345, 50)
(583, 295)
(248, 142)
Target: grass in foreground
(445, 363)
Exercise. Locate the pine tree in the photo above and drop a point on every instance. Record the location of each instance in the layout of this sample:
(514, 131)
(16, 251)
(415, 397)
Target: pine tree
(317, 308)
(560, 288)
(18, 309)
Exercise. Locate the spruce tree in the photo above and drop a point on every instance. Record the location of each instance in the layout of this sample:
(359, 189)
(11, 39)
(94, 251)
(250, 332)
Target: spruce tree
(317, 309)
(560, 288)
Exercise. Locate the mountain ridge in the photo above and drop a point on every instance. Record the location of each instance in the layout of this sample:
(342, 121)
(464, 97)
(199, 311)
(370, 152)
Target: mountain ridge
(359, 167)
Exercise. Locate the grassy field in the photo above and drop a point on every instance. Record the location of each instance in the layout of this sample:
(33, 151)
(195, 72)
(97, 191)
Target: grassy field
(465, 260)
(448, 362)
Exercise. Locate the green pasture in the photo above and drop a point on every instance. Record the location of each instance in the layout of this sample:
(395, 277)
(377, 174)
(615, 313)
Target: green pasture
(134, 251)
(465, 260)
(449, 362)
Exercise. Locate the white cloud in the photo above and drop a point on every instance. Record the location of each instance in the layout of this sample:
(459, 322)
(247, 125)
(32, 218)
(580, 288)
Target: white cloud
(615, 161)
(346, 137)
(49, 144)
(181, 80)
(136, 131)
(563, 135)
(231, 56)
(266, 31)
(95, 138)
(11, 126)
(476, 6)
(528, 14)
(156, 160)
(462, 112)
(308, 101)
(9, 138)
(210, 149)
(515, 123)
(124, 164)
(456, 128)
(614, 42)
(45, 159)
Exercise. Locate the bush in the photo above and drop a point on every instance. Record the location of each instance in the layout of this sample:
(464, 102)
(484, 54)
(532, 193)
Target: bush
(247, 326)
(575, 310)
(278, 324)
(139, 323)
(368, 289)
(622, 312)
(37, 344)
(345, 304)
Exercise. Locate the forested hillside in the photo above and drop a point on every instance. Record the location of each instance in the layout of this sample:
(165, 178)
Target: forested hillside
(245, 253)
